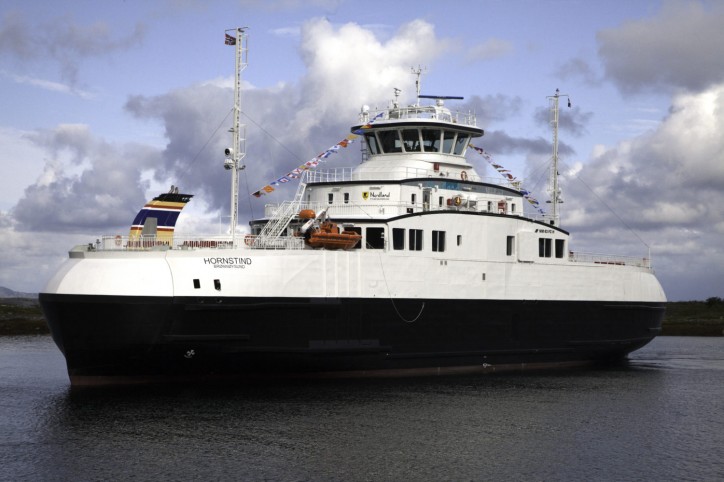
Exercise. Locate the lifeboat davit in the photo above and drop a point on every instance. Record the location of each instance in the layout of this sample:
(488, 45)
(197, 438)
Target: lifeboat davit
(328, 236)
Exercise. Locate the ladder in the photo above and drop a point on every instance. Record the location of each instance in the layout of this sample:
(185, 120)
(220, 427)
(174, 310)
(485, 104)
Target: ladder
(269, 235)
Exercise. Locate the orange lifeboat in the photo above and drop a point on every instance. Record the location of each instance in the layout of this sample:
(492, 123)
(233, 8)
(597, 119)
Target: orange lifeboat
(307, 214)
(328, 236)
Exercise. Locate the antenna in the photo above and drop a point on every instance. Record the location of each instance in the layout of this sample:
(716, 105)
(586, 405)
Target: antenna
(418, 72)
(553, 188)
(237, 152)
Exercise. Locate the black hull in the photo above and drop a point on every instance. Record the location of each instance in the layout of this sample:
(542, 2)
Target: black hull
(125, 339)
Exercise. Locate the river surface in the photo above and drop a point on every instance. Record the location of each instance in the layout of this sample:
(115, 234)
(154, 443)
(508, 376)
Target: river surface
(660, 416)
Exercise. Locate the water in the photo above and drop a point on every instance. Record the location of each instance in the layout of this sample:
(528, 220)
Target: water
(659, 417)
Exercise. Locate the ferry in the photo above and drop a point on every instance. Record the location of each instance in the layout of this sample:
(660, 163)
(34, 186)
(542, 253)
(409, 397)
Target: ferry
(409, 263)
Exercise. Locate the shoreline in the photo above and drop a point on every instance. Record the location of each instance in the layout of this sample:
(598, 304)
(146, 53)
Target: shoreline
(23, 316)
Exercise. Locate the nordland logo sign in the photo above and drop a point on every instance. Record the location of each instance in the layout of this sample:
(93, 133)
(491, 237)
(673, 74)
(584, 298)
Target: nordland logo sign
(375, 196)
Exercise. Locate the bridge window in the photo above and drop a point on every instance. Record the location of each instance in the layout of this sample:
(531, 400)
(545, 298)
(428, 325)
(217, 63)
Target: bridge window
(390, 141)
(461, 144)
(372, 143)
(431, 139)
(411, 140)
(448, 140)
(398, 238)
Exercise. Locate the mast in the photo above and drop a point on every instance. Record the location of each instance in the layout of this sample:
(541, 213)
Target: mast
(236, 153)
(553, 189)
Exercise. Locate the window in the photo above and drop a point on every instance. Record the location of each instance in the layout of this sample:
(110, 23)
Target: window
(372, 143)
(560, 247)
(375, 238)
(509, 245)
(217, 285)
(431, 139)
(512, 207)
(438, 241)
(346, 198)
(490, 206)
(414, 240)
(544, 247)
(461, 144)
(390, 141)
(441, 200)
(411, 140)
(413, 198)
(398, 238)
(197, 283)
(330, 198)
(460, 239)
(448, 139)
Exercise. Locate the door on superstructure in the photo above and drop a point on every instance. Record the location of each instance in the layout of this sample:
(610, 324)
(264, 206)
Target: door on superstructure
(426, 195)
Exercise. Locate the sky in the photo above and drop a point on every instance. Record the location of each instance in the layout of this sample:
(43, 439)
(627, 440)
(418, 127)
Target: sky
(104, 105)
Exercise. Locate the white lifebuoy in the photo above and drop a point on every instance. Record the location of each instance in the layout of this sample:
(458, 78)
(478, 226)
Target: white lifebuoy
(463, 175)
(118, 240)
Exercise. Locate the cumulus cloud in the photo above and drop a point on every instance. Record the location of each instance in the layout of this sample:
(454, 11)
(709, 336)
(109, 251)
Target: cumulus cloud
(63, 41)
(680, 48)
(667, 186)
(86, 183)
(346, 67)
(574, 121)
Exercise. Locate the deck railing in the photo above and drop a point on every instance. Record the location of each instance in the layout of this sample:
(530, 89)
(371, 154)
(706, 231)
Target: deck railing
(153, 243)
(346, 174)
(609, 259)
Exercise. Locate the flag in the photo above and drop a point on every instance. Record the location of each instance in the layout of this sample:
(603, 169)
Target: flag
(229, 40)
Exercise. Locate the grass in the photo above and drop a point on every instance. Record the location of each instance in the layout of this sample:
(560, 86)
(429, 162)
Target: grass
(23, 316)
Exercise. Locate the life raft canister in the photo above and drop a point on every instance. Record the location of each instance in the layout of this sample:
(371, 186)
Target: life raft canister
(307, 214)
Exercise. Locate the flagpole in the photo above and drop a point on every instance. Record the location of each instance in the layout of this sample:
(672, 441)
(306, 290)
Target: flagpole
(236, 154)
(553, 189)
